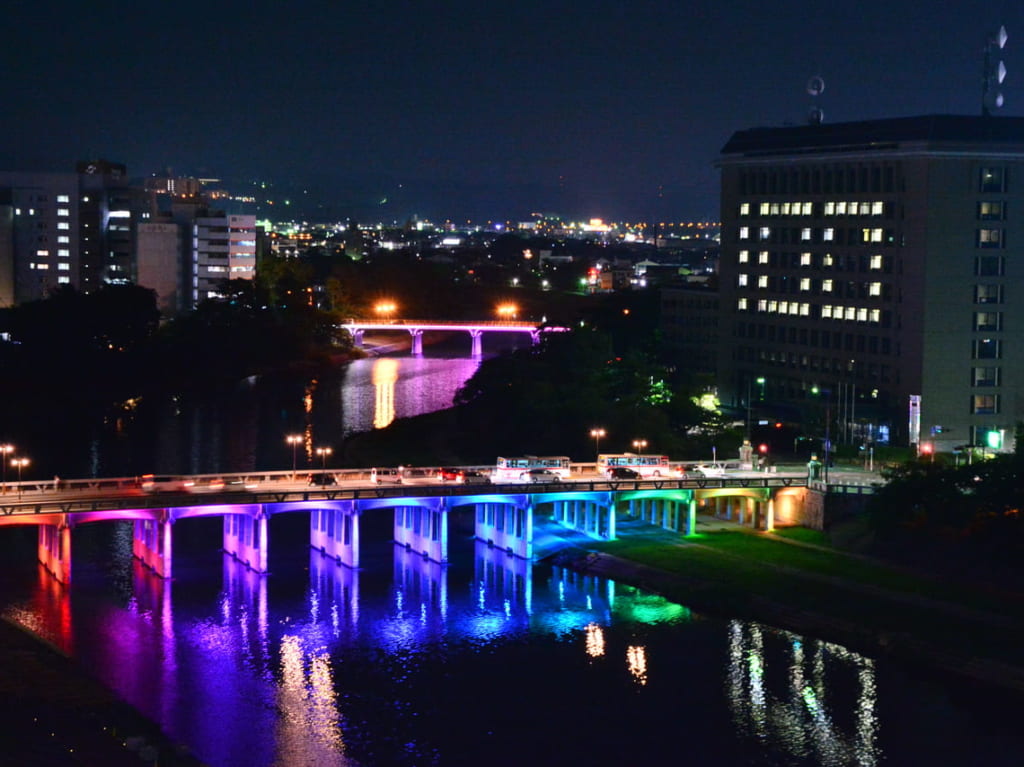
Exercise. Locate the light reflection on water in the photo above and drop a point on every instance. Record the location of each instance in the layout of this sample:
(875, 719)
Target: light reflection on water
(406, 662)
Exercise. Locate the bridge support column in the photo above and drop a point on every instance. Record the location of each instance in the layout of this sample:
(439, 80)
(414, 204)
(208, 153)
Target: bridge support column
(417, 340)
(245, 539)
(423, 530)
(334, 532)
(478, 346)
(357, 338)
(509, 526)
(151, 544)
(54, 551)
(769, 522)
(691, 517)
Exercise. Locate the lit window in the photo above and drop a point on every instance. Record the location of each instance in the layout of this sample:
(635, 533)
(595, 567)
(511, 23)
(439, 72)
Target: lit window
(826, 286)
(63, 266)
(794, 307)
(990, 238)
(741, 304)
(862, 314)
(853, 209)
(741, 280)
(851, 313)
(828, 234)
(42, 253)
(988, 321)
(764, 232)
(875, 262)
(764, 208)
(826, 311)
(805, 284)
(805, 234)
(63, 198)
(785, 209)
(63, 212)
(63, 279)
(877, 208)
(987, 349)
(805, 309)
(762, 305)
(744, 208)
(744, 232)
(773, 306)
(840, 208)
(63, 239)
(985, 376)
(990, 211)
(805, 208)
(876, 315)
(773, 209)
(871, 235)
(805, 259)
(762, 281)
(874, 288)
(784, 307)
(830, 209)
(982, 404)
(762, 257)
(744, 256)
(988, 294)
(63, 225)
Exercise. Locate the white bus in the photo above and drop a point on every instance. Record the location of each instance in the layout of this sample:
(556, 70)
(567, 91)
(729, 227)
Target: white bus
(644, 465)
(516, 469)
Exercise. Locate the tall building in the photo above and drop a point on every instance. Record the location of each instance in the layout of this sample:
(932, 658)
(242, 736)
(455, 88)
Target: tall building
(872, 278)
(223, 248)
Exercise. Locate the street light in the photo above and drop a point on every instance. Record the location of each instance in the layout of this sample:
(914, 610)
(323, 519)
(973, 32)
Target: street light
(385, 308)
(507, 311)
(20, 463)
(5, 450)
(294, 440)
(828, 420)
(640, 445)
(323, 452)
(597, 433)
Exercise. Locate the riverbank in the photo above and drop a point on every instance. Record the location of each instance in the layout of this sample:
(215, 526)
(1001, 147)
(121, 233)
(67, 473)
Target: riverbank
(880, 609)
(55, 714)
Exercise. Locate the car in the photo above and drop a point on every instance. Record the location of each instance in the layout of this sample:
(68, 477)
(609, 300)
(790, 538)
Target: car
(205, 485)
(321, 479)
(623, 472)
(471, 477)
(539, 475)
(155, 483)
(448, 474)
(391, 476)
(710, 469)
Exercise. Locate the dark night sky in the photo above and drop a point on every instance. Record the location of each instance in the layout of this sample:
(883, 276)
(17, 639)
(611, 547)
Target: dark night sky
(489, 109)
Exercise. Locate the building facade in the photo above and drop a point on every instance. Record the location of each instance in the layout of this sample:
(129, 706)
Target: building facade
(872, 276)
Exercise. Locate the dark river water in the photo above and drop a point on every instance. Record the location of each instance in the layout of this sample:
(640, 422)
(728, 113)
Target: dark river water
(488, 661)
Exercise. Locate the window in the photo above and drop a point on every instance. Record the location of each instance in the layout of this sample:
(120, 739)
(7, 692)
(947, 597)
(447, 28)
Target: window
(874, 288)
(762, 305)
(988, 294)
(805, 284)
(826, 311)
(764, 232)
(744, 232)
(63, 239)
(877, 208)
(854, 208)
(42, 253)
(785, 209)
(826, 286)
(988, 266)
(990, 238)
(827, 260)
(985, 376)
(830, 209)
(63, 266)
(805, 234)
(805, 309)
(993, 179)
(862, 314)
(63, 198)
(805, 209)
(741, 304)
(876, 315)
(840, 208)
(805, 259)
(985, 404)
(828, 234)
(762, 257)
(987, 349)
(851, 313)
(63, 225)
(871, 235)
(63, 253)
(875, 262)
(762, 281)
(744, 256)
(63, 279)
(764, 209)
(991, 211)
(744, 208)
(988, 321)
(741, 280)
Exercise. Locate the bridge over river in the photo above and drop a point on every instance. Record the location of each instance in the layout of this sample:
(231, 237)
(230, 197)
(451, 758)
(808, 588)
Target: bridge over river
(503, 513)
(476, 329)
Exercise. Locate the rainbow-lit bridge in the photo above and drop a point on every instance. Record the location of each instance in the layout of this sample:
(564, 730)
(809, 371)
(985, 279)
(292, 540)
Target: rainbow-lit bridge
(503, 513)
(416, 329)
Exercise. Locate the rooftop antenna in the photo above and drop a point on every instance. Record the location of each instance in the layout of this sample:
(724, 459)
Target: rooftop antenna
(815, 87)
(994, 73)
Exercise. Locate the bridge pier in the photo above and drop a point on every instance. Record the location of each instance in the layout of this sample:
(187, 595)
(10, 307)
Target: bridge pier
(152, 544)
(590, 516)
(245, 539)
(357, 337)
(335, 533)
(417, 340)
(424, 530)
(54, 551)
(508, 526)
(477, 336)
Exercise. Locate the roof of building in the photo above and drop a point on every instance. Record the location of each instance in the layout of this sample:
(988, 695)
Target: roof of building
(874, 135)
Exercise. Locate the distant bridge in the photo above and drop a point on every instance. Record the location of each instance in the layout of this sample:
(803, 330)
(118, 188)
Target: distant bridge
(476, 329)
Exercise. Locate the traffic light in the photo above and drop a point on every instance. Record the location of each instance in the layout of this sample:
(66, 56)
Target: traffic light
(762, 448)
(926, 448)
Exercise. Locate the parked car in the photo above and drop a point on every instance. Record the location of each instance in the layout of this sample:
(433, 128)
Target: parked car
(539, 475)
(391, 476)
(321, 479)
(623, 472)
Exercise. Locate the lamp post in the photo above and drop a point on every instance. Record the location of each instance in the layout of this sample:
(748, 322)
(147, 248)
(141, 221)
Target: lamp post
(828, 421)
(20, 463)
(597, 433)
(507, 312)
(5, 450)
(294, 440)
(323, 452)
(385, 309)
(640, 445)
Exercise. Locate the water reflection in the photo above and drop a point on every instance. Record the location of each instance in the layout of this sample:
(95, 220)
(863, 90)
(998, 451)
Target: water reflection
(385, 374)
(799, 714)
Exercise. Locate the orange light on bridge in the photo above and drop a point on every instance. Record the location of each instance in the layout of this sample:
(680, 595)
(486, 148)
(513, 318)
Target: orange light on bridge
(385, 309)
(507, 311)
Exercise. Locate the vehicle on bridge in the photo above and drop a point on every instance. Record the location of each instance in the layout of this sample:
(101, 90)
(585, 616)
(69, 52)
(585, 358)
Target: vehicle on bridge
(463, 476)
(710, 469)
(321, 479)
(512, 469)
(622, 472)
(644, 465)
(390, 476)
(541, 475)
(157, 483)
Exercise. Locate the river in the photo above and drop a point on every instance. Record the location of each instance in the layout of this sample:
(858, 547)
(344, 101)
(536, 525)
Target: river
(489, 660)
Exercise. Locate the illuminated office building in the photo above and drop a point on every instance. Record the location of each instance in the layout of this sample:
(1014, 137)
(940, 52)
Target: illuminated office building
(872, 277)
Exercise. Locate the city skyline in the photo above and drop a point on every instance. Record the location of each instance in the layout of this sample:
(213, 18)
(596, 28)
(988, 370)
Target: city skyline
(465, 111)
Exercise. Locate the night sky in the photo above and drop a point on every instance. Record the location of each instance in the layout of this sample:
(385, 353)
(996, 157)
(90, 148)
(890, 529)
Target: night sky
(497, 109)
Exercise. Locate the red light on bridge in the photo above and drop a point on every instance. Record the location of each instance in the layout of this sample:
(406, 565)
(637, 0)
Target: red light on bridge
(762, 448)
